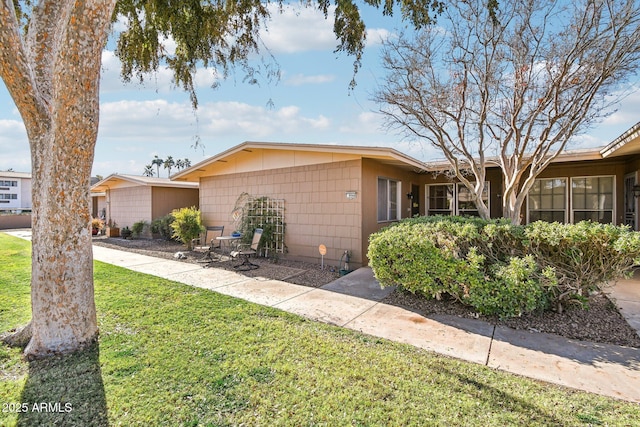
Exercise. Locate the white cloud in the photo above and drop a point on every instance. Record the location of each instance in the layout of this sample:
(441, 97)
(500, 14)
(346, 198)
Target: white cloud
(298, 29)
(627, 109)
(235, 118)
(367, 122)
(304, 29)
(161, 80)
(301, 79)
(132, 132)
(375, 36)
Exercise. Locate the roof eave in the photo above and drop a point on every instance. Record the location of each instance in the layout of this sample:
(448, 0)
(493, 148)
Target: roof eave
(628, 136)
(365, 151)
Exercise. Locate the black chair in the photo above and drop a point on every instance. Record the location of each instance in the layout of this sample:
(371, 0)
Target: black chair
(207, 243)
(246, 250)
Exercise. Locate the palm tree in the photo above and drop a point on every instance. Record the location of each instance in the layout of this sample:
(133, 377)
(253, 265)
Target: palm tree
(157, 162)
(148, 170)
(168, 164)
(186, 163)
(179, 164)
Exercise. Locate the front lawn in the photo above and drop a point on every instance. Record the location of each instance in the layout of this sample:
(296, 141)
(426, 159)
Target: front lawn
(170, 354)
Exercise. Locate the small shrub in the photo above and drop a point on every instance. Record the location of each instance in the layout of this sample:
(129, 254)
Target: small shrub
(138, 228)
(187, 225)
(162, 226)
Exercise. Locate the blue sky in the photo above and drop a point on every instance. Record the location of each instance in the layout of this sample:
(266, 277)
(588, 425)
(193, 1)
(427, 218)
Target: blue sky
(311, 104)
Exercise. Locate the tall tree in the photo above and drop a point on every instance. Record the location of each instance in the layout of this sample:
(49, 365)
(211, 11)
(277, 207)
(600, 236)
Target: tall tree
(157, 162)
(50, 58)
(168, 164)
(510, 86)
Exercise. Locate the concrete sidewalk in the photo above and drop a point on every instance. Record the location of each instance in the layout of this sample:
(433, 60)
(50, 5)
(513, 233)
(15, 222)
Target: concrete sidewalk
(598, 368)
(353, 302)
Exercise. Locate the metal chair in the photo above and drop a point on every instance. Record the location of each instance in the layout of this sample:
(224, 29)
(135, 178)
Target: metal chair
(246, 250)
(207, 243)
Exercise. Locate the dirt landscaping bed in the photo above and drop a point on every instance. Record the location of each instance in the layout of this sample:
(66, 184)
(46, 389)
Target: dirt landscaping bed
(601, 322)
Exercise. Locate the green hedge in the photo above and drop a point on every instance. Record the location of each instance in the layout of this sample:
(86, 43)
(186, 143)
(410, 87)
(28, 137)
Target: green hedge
(499, 268)
(187, 225)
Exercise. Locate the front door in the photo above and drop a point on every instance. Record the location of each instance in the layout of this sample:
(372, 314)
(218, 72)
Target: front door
(630, 204)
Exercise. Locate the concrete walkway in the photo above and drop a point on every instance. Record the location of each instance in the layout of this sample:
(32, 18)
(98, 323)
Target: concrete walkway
(353, 302)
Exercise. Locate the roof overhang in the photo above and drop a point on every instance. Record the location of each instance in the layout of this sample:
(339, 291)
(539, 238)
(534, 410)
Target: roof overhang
(256, 156)
(566, 156)
(11, 174)
(625, 144)
(122, 181)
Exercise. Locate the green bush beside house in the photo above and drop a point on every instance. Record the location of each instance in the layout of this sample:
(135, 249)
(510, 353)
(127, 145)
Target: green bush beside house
(187, 225)
(499, 268)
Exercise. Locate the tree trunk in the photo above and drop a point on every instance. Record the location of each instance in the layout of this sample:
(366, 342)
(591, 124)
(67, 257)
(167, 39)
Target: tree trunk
(511, 208)
(52, 72)
(62, 299)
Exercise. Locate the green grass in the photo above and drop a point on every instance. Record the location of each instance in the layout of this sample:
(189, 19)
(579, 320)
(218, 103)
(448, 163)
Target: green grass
(169, 354)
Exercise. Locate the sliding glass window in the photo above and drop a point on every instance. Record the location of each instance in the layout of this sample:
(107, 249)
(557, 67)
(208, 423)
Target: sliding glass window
(592, 199)
(548, 200)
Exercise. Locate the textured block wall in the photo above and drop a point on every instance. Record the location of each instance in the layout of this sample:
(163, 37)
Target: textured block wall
(317, 210)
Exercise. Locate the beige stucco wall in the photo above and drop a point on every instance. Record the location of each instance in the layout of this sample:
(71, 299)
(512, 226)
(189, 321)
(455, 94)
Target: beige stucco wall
(128, 205)
(317, 210)
(166, 199)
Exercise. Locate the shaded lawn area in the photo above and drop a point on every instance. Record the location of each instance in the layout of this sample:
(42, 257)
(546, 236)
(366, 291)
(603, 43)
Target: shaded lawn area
(170, 354)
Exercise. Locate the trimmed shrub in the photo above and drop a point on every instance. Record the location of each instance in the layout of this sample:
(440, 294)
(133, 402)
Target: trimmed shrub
(423, 258)
(584, 256)
(138, 228)
(187, 225)
(162, 226)
(499, 268)
(516, 288)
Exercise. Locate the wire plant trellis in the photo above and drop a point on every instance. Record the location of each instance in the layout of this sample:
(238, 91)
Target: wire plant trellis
(263, 212)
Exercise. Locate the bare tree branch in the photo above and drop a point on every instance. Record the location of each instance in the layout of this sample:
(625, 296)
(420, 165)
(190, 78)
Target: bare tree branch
(510, 88)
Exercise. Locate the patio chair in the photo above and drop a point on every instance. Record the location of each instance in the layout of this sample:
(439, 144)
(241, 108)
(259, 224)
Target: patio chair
(207, 243)
(246, 250)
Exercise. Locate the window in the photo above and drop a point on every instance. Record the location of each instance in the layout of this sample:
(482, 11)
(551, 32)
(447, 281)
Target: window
(548, 200)
(8, 196)
(592, 199)
(450, 199)
(388, 200)
(466, 205)
(440, 199)
(9, 183)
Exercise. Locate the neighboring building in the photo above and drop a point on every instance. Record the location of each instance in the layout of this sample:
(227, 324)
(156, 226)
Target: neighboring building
(334, 196)
(127, 199)
(598, 184)
(15, 191)
(337, 196)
